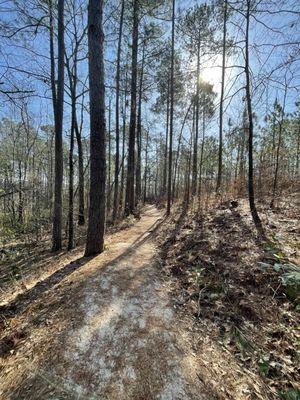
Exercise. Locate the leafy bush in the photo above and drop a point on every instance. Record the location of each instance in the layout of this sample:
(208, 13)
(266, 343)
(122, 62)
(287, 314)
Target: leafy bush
(292, 394)
(290, 279)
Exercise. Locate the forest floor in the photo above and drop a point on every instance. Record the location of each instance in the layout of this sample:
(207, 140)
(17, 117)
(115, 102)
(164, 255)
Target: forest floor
(104, 330)
(188, 307)
(242, 295)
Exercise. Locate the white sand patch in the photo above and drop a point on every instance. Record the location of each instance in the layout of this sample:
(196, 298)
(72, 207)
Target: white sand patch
(128, 345)
(174, 390)
(142, 323)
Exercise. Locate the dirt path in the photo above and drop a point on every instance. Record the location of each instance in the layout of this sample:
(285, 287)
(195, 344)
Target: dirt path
(106, 331)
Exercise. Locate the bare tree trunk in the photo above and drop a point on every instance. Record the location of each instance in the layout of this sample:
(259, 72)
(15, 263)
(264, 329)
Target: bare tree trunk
(117, 158)
(146, 167)
(156, 172)
(195, 153)
(201, 158)
(169, 201)
(179, 144)
(188, 175)
(130, 192)
(20, 195)
(242, 158)
(58, 117)
(96, 224)
(139, 133)
(253, 210)
(81, 218)
(278, 151)
(237, 163)
(52, 58)
(50, 197)
(123, 156)
(72, 74)
(165, 170)
(71, 180)
(220, 155)
(108, 206)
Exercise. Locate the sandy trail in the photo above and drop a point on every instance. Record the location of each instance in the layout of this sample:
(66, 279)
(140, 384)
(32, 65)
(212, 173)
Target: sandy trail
(112, 334)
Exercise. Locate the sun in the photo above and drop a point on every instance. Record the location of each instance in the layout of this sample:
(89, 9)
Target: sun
(211, 71)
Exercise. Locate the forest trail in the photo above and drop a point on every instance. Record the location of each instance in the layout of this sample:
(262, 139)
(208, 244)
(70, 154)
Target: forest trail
(107, 331)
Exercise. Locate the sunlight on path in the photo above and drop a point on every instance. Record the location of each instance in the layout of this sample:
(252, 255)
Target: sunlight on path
(112, 332)
(128, 346)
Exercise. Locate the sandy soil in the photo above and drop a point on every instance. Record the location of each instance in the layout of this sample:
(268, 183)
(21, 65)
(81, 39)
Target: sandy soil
(104, 329)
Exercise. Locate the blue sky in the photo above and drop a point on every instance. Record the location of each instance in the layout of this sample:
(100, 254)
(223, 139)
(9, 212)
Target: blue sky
(269, 33)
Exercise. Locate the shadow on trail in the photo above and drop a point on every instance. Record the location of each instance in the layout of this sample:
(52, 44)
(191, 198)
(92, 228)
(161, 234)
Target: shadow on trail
(23, 300)
(178, 225)
(133, 287)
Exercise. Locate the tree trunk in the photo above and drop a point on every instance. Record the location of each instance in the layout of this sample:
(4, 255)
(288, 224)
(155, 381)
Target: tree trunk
(165, 170)
(179, 144)
(220, 154)
(146, 167)
(195, 153)
(169, 201)
(96, 224)
(242, 159)
(253, 210)
(58, 118)
(81, 218)
(71, 178)
(52, 58)
(109, 159)
(188, 174)
(201, 159)
(72, 73)
(20, 195)
(278, 152)
(123, 156)
(117, 158)
(130, 195)
(139, 134)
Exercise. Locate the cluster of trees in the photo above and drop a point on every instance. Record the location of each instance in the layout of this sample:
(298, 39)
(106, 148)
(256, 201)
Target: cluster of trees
(108, 106)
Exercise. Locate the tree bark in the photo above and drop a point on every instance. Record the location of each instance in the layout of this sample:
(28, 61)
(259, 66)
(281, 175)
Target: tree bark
(117, 158)
(58, 117)
(277, 159)
(96, 223)
(220, 153)
(253, 209)
(179, 145)
(130, 192)
(201, 158)
(146, 168)
(165, 170)
(52, 58)
(169, 201)
(108, 206)
(122, 185)
(71, 180)
(195, 152)
(72, 74)
(81, 217)
(139, 134)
